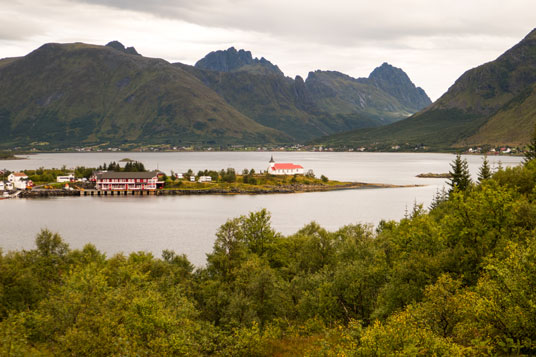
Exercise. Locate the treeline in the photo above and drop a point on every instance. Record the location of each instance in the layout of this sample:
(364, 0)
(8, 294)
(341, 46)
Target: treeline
(130, 166)
(42, 175)
(6, 155)
(458, 279)
(250, 177)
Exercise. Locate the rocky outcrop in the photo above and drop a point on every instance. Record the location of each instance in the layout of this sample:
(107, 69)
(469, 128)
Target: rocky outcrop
(396, 82)
(231, 60)
(119, 46)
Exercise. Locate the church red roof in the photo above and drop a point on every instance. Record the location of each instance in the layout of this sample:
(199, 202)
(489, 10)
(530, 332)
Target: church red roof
(286, 167)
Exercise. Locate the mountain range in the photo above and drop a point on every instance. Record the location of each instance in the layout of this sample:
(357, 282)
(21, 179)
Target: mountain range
(492, 104)
(66, 95)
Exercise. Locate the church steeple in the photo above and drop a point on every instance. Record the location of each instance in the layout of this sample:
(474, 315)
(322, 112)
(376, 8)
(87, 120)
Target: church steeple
(272, 160)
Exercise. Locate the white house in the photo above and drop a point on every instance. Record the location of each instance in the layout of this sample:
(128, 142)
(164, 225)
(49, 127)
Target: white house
(67, 178)
(18, 179)
(205, 179)
(284, 168)
(2, 186)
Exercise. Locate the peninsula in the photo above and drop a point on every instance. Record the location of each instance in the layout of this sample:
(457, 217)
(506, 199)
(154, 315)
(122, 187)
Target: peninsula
(133, 179)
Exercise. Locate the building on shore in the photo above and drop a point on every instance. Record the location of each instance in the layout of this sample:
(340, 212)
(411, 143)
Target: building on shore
(284, 168)
(127, 181)
(66, 178)
(18, 179)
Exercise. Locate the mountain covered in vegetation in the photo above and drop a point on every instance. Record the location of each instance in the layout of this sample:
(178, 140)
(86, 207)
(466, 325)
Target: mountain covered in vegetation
(78, 94)
(65, 95)
(458, 279)
(490, 104)
(325, 102)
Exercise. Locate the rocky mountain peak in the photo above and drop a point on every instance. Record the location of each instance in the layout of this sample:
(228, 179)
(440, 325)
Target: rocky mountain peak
(396, 82)
(392, 74)
(231, 60)
(120, 47)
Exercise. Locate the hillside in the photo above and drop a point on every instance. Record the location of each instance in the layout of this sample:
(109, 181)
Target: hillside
(66, 95)
(326, 102)
(511, 125)
(78, 94)
(490, 104)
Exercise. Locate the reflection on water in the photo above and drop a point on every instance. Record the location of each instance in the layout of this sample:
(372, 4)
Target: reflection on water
(187, 224)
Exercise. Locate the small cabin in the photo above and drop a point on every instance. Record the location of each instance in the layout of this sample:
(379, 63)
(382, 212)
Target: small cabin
(205, 179)
(67, 178)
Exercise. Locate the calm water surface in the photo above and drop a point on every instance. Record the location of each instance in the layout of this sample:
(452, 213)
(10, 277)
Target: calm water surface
(187, 224)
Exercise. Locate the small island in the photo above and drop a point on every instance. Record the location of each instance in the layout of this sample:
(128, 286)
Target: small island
(9, 156)
(433, 175)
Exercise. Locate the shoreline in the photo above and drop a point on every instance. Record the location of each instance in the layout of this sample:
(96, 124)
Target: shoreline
(210, 191)
(262, 151)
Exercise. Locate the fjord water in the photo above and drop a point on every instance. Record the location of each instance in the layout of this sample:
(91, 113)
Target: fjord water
(187, 224)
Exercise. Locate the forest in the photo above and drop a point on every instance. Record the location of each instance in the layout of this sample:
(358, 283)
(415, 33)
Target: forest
(457, 278)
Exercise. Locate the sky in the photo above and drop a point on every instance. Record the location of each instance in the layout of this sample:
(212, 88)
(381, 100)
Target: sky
(434, 42)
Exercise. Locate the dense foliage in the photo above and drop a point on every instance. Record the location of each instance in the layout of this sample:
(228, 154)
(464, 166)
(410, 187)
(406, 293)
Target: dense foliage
(6, 155)
(130, 166)
(459, 279)
(42, 175)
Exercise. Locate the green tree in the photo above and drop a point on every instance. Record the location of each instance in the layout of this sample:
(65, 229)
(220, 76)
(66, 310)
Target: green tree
(484, 172)
(461, 179)
(530, 153)
(229, 175)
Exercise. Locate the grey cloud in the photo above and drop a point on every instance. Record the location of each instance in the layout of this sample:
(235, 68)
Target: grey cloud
(15, 28)
(339, 21)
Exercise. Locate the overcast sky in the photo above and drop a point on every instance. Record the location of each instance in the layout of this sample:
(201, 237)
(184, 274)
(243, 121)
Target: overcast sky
(433, 41)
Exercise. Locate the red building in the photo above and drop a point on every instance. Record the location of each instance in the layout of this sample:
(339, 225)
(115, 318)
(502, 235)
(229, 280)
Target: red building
(127, 181)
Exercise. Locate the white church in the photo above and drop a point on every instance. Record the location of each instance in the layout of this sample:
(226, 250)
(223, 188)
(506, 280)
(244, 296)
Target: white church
(284, 168)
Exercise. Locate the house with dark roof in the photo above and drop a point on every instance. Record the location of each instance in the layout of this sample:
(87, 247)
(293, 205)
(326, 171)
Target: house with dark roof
(127, 181)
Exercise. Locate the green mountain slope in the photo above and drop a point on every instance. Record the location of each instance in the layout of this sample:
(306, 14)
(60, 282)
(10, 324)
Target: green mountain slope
(78, 94)
(326, 102)
(65, 95)
(279, 102)
(511, 125)
(490, 104)
(339, 93)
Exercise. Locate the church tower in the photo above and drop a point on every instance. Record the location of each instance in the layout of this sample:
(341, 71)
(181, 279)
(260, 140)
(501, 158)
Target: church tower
(272, 162)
